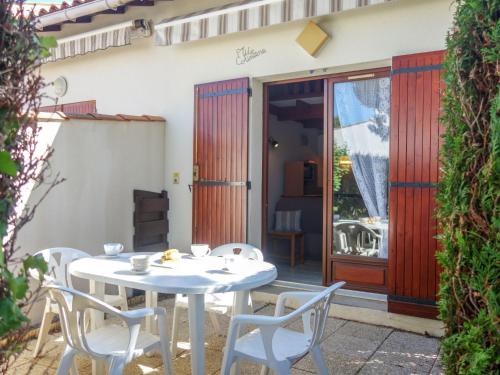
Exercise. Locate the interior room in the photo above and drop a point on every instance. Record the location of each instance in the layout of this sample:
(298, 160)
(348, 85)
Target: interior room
(295, 180)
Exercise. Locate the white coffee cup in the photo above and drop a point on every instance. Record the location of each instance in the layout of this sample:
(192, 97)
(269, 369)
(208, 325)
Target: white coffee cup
(200, 250)
(139, 263)
(112, 249)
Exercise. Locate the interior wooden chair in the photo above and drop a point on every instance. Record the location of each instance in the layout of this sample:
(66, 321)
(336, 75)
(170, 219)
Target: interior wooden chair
(272, 344)
(216, 303)
(291, 234)
(114, 344)
(58, 260)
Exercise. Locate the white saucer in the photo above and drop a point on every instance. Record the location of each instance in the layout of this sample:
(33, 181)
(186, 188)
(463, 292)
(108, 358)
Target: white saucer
(109, 256)
(139, 272)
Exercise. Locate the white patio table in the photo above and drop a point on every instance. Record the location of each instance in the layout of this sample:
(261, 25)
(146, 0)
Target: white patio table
(190, 276)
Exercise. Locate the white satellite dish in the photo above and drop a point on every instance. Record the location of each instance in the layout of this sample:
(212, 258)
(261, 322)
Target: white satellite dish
(60, 86)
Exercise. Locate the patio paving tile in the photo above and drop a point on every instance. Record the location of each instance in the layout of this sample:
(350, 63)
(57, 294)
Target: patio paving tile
(364, 331)
(410, 351)
(332, 325)
(379, 368)
(437, 369)
(337, 363)
(213, 360)
(349, 348)
(249, 368)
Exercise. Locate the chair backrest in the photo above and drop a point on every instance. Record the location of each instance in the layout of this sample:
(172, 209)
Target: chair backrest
(340, 242)
(58, 260)
(315, 314)
(72, 307)
(366, 229)
(245, 250)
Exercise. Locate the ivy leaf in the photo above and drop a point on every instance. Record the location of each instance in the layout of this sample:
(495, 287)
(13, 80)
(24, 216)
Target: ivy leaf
(7, 165)
(18, 286)
(48, 42)
(11, 317)
(37, 263)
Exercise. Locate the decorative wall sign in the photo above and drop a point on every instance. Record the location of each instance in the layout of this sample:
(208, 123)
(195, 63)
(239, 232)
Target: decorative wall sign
(246, 54)
(312, 38)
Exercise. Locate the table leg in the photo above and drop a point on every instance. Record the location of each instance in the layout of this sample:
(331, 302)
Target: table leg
(302, 249)
(96, 321)
(241, 306)
(196, 306)
(151, 301)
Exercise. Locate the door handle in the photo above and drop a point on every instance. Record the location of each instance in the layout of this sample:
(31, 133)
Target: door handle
(190, 187)
(196, 172)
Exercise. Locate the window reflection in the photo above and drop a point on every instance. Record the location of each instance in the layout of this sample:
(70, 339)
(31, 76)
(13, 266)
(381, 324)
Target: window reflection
(361, 167)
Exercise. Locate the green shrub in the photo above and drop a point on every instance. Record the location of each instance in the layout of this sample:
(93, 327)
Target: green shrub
(21, 84)
(469, 193)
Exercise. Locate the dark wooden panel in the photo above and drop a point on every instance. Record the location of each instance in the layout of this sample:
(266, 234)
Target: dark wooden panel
(415, 309)
(151, 228)
(414, 165)
(360, 273)
(150, 220)
(152, 205)
(294, 179)
(220, 153)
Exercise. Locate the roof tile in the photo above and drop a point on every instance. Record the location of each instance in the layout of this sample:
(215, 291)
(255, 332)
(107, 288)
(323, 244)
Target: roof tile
(132, 117)
(154, 118)
(59, 116)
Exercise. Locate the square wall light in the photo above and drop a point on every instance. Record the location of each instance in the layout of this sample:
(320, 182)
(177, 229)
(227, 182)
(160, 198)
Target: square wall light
(312, 38)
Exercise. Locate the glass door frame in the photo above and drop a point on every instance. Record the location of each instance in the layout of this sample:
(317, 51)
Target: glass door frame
(361, 273)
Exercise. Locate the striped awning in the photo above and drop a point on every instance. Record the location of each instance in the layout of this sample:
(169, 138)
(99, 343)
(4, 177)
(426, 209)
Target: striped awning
(112, 36)
(247, 15)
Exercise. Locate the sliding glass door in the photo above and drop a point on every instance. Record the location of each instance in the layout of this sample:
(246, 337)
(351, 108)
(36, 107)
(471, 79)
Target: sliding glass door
(358, 147)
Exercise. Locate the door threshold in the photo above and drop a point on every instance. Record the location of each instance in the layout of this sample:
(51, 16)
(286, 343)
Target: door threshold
(378, 297)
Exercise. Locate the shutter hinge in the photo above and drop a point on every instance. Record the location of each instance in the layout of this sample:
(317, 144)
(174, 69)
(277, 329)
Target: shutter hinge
(249, 90)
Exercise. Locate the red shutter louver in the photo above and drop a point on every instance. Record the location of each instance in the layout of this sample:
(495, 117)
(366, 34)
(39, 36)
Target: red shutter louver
(414, 171)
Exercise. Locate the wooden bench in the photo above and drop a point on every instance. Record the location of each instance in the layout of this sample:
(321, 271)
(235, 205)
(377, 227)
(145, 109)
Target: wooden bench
(293, 237)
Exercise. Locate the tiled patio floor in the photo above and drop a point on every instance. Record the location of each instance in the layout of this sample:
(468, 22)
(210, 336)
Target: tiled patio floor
(349, 348)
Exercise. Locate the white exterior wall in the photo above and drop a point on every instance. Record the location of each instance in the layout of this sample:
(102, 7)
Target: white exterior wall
(144, 78)
(102, 162)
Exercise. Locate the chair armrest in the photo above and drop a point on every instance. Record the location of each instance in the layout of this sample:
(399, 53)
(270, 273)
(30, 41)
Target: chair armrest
(258, 320)
(144, 312)
(301, 297)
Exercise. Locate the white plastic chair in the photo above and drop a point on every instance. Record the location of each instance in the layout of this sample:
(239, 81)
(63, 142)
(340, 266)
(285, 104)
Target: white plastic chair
(58, 260)
(217, 303)
(115, 344)
(276, 347)
(368, 241)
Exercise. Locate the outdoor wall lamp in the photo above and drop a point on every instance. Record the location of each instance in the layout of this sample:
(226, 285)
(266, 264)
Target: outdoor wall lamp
(273, 142)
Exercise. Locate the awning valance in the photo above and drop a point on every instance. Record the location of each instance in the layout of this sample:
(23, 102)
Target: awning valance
(112, 36)
(247, 15)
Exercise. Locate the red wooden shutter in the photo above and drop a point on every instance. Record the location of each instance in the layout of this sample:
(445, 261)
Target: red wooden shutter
(88, 106)
(220, 162)
(414, 170)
